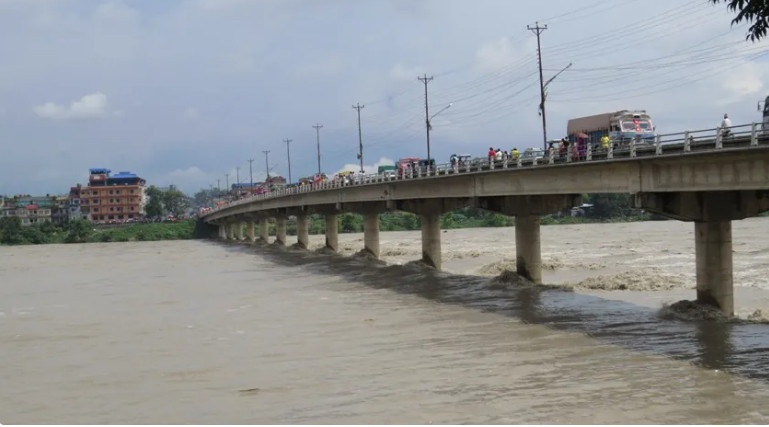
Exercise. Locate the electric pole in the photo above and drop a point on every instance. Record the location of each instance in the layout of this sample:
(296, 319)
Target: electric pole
(427, 80)
(317, 127)
(251, 174)
(536, 29)
(360, 136)
(288, 153)
(267, 164)
(227, 181)
(218, 188)
(237, 175)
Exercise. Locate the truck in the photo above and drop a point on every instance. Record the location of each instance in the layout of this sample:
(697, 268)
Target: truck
(622, 127)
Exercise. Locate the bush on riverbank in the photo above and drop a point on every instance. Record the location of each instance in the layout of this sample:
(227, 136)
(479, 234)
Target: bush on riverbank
(82, 231)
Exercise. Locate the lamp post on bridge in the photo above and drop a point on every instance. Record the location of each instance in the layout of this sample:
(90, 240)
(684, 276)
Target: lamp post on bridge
(430, 127)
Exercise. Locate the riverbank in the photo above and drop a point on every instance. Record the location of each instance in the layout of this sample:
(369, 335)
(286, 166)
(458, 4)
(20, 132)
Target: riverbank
(82, 231)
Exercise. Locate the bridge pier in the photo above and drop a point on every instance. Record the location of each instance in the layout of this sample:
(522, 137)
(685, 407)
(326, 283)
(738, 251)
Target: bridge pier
(250, 230)
(239, 230)
(713, 250)
(431, 239)
(223, 231)
(527, 211)
(528, 252)
(280, 229)
(264, 230)
(332, 232)
(231, 231)
(303, 231)
(371, 233)
(712, 213)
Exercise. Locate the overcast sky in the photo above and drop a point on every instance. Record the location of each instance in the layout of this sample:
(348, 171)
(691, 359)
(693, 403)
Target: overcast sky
(184, 91)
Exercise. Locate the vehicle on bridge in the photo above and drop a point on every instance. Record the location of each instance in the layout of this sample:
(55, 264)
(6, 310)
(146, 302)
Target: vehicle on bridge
(622, 127)
(406, 164)
(387, 170)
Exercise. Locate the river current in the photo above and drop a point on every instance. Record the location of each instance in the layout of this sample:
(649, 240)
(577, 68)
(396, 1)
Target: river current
(206, 332)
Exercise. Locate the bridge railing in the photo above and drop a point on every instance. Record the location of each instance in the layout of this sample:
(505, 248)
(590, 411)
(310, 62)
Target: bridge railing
(680, 143)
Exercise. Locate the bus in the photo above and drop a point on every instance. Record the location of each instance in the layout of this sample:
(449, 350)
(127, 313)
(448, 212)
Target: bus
(622, 127)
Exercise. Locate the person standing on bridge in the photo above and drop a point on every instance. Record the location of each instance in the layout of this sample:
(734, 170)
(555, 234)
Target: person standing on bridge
(492, 154)
(726, 123)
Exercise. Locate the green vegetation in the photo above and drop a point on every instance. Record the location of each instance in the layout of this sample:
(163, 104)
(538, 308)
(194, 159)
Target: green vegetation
(82, 231)
(161, 203)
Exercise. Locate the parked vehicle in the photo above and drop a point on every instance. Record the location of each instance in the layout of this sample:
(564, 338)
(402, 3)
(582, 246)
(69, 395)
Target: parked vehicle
(621, 126)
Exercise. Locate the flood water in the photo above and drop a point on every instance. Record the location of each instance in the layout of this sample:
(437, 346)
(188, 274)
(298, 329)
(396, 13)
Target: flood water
(206, 332)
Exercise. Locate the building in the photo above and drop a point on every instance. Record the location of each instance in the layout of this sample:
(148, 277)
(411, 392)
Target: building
(73, 203)
(116, 198)
(28, 214)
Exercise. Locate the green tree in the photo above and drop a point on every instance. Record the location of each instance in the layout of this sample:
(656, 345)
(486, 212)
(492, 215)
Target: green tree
(610, 205)
(448, 221)
(755, 11)
(175, 202)
(34, 234)
(154, 207)
(10, 230)
(78, 231)
(350, 223)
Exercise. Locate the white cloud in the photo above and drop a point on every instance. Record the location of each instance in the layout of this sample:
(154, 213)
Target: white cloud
(191, 113)
(400, 72)
(368, 169)
(88, 107)
(495, 55)
(744, 80)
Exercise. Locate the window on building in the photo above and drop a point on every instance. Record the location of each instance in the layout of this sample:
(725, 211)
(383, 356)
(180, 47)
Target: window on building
(111, 217)
(96, 201)
(132, 208)
(110, 191)
(96, 209)
(120, 217)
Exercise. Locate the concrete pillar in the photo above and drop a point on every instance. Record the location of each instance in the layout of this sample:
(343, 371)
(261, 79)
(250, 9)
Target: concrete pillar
(223, 231)
(280, 229)
(239, 230)
(431, 239)
(264, 230)
(528, 255)
(250, 231)
(303, 231)
(231, 231)
(713, 249)
(371, 233)
(332, 232)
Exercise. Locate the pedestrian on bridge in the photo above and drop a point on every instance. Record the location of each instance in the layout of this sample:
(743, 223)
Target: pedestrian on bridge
(726, 124)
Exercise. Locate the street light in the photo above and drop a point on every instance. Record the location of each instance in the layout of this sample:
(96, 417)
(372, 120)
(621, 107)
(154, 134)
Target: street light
(430, 127)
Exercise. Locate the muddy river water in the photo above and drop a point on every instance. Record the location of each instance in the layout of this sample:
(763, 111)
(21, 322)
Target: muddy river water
(207, 332)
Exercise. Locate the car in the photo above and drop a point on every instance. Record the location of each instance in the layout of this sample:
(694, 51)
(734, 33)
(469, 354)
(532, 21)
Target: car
(530, 154)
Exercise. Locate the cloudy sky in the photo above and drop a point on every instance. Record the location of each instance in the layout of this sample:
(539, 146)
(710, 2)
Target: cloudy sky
(185, 91)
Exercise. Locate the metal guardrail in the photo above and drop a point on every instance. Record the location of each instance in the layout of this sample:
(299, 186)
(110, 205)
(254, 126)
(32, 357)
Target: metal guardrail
(681, 143)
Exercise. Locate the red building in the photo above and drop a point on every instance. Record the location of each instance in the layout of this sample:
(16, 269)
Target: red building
(116, 198)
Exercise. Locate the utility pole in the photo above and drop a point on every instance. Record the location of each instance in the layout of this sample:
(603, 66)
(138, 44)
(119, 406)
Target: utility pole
(288, 153)
(251, 174)
(536, 29)
(227, 181)
(218, 188)
(427, 80)
(237, 175)
(360, 136)
(317, 127)
(267, 163)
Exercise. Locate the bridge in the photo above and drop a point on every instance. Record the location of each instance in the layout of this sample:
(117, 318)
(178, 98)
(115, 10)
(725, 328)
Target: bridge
(700, 176)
